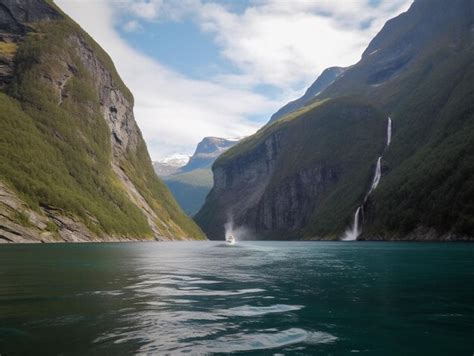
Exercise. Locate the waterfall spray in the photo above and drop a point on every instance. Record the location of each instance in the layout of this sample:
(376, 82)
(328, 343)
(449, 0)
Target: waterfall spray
(352, 234)
(229, 227)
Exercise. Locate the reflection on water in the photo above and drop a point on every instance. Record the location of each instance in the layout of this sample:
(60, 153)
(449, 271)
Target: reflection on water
(300, 298)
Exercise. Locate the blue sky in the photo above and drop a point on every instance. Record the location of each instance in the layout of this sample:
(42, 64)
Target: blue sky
(221, 68)
(179, 45)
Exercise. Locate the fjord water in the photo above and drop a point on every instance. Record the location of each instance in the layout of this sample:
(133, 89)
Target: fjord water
(254, 297)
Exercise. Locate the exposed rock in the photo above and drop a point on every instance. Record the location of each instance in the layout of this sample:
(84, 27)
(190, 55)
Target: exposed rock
(19, 223)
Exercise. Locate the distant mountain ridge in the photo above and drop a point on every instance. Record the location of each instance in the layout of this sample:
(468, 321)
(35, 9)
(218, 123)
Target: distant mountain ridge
(170, 165)
(207, 151)
(191, 182)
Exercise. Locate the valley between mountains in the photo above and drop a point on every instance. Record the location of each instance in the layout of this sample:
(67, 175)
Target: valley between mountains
(380, 150)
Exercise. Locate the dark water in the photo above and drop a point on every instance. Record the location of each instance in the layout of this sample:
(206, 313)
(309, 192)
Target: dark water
(262, 298)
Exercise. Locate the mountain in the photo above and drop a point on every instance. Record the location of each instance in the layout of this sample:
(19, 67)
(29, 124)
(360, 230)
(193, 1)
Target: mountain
(73, 163)
(308, 173)
(327, 77)
(170, 165)
(207, 151)
(191, 183)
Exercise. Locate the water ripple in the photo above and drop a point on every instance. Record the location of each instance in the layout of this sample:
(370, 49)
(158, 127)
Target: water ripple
(247, 310)
(241, 342)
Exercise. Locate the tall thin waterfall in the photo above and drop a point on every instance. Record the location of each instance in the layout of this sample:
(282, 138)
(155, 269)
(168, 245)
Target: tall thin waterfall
(389, 131)
(354, 232)
(378, 174)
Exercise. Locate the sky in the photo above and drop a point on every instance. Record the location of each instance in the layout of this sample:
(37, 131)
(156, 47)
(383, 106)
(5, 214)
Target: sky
(202, 68)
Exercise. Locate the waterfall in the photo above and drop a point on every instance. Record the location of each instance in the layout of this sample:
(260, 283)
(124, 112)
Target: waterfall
(352, 234)
(389, 131)
(378, 174)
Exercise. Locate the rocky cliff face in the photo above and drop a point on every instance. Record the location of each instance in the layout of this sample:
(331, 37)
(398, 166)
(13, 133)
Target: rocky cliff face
(419, 71)
(276, 209)
(275, 184)
(71, 100)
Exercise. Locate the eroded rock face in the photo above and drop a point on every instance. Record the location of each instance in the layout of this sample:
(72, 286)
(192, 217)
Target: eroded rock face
(288, 207)
(117, 111)
(243, 192)
(19, 223)
(116, 107)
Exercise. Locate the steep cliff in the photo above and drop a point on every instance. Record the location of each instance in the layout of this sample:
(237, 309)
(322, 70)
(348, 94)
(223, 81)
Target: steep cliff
(74, 166)
(290, 176)
(419, 71)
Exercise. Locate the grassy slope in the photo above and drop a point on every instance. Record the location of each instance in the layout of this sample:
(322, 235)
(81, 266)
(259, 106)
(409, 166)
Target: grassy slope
(60, 155)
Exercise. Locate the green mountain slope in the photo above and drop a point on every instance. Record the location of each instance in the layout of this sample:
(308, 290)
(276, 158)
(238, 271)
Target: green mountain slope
(419, 71)
(73, 164)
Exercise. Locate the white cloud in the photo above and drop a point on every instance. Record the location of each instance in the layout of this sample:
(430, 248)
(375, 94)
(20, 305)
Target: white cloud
(273, 42)
(132, 26)
(284, 43)
(145, 9)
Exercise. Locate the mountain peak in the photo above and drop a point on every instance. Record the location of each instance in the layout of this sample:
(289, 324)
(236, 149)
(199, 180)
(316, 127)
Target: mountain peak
(207, 151)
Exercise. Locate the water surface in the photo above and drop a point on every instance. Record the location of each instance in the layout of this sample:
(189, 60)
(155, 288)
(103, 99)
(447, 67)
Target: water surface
(260, 297)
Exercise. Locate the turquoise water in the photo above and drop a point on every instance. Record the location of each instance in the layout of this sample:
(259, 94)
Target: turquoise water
(262, 298)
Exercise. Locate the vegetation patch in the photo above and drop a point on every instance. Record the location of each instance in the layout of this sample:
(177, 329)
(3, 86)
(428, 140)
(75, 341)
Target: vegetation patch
(8, 48)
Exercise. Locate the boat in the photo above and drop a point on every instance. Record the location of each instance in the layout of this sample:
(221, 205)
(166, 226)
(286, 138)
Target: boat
(230, 240)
